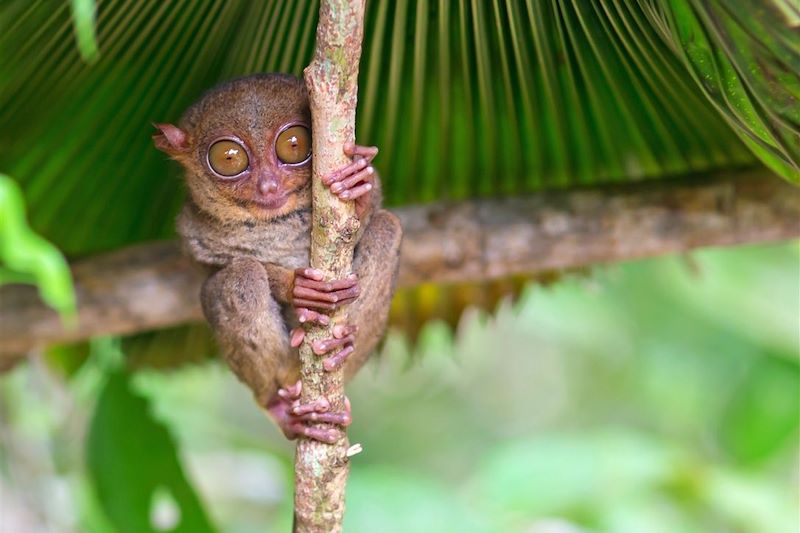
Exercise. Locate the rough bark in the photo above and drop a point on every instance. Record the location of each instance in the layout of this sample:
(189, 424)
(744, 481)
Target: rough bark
(332, 80)
(151, 286)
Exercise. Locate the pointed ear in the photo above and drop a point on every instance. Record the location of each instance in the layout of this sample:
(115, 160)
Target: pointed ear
(171, 139)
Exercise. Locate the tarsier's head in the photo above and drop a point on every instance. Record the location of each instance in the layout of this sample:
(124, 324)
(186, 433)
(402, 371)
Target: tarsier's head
(246, 148)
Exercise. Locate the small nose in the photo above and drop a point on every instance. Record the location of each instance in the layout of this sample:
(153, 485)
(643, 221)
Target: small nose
(267, 185)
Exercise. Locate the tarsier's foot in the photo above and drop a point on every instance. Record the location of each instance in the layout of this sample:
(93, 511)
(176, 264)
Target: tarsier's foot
(354, 181)
(344, 337)
(293, 417)
(343, 340)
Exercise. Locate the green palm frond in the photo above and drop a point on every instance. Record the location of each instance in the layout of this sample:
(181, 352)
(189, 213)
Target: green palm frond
(468, 98)
(745, 56)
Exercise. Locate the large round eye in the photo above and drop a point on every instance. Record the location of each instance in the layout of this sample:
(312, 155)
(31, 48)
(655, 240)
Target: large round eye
(227, 158)
(293, 145)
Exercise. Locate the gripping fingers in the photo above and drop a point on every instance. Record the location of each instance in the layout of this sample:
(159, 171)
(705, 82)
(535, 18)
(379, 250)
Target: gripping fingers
(311, 295)
(343, 335)
(292, 392)
(325, 346)
(296, 339)
(305, 293)
(342, 419)
(322, 306)
(307, 316)
(323, 435)
(325, 286)
(322, 405)
(310, 273)
(355, 150)
(335, 361)
(356, 192)
(348, 183)
(350, 188)
(345, 172)
(343, 330)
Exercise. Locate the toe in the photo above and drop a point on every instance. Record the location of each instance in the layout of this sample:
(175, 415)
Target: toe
(334, 362)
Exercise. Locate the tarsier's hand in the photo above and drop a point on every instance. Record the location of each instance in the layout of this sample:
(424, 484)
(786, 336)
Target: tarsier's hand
(312, 296)
(313, 299)
(357, 179)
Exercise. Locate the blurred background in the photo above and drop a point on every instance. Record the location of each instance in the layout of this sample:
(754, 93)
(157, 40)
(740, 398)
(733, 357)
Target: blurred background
(651, 396)
(660, 395)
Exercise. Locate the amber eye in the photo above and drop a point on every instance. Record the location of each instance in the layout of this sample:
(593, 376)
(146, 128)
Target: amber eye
(227, 158)
(293, 145)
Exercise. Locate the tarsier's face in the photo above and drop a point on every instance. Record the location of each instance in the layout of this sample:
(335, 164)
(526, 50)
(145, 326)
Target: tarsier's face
(260, 177)
(246, 147)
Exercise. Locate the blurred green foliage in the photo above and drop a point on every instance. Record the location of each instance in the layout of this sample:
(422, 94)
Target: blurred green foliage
(25, 257)
(84, 22)
(132, 462)
(654, 396)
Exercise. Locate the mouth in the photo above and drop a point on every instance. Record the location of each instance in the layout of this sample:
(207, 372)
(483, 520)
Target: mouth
(271, 202)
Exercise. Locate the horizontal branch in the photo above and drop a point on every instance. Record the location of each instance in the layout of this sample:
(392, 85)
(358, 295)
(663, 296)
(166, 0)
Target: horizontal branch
(153, 285)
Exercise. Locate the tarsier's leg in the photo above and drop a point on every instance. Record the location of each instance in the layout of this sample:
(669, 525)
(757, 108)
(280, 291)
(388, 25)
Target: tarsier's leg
(250, 330)
(248, 325)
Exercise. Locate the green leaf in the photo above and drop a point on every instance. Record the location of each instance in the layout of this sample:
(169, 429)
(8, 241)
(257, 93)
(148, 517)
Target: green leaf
(745, 58)
(83, 19)
(465, 99)
(763, 414)
(28, 258)
(67, 359)
(134, 466)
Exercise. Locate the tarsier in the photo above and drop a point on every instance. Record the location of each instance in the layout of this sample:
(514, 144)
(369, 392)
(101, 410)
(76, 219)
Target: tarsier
(246, 150)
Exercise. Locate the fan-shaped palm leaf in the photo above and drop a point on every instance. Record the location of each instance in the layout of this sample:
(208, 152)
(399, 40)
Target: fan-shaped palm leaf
(745, 56)
(466, 98)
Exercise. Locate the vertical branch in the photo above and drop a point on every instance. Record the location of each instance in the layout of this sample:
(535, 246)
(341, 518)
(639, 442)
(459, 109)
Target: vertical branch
(332, 81)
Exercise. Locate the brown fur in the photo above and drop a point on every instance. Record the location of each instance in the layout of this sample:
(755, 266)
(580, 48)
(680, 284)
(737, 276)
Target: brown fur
(252, 109)
(252, 251)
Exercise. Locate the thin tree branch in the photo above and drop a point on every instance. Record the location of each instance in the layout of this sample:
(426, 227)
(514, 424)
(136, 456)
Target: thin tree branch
(151, 286)
(332, 81)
